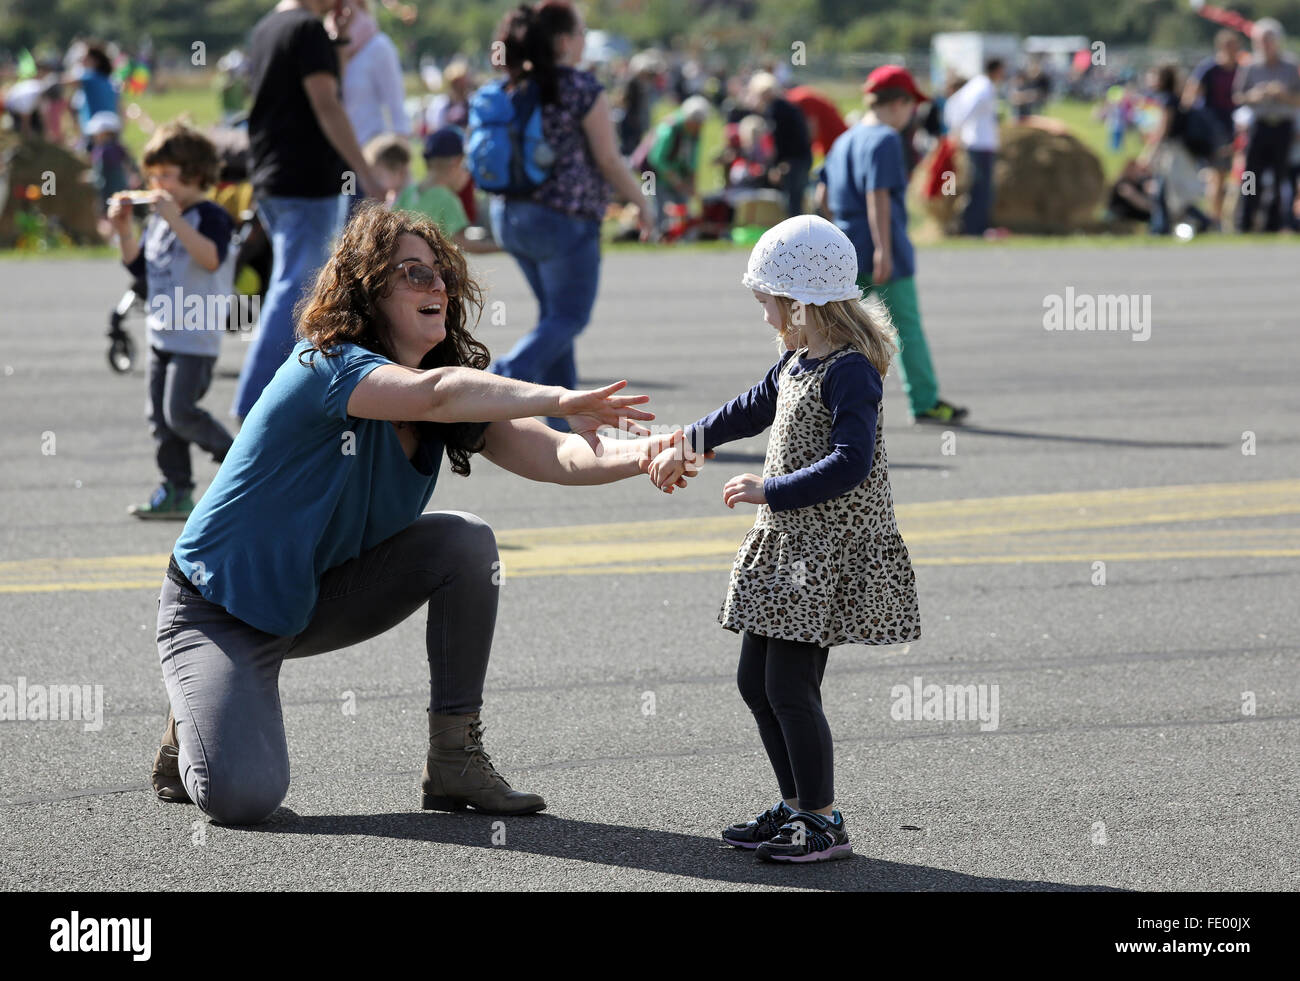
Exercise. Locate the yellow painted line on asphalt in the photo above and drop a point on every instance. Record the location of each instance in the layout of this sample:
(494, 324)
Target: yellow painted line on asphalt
(1129, 524)
(952, 560)
(986, 516)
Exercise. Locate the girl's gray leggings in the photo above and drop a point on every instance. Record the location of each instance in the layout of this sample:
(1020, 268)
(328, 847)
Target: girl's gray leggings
(222, 675)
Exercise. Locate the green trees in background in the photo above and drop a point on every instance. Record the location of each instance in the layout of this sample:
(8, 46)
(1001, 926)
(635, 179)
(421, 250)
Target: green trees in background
(444, 27)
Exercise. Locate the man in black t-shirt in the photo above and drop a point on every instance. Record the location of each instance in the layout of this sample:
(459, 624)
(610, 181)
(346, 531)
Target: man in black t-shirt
(307, 166)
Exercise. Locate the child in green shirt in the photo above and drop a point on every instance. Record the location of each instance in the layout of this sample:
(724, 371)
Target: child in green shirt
(436, 195)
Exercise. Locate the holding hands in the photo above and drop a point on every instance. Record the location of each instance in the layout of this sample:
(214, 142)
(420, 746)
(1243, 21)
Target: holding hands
(675, 463)
(678, 460)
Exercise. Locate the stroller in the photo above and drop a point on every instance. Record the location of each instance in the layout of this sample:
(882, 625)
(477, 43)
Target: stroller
(234, 192)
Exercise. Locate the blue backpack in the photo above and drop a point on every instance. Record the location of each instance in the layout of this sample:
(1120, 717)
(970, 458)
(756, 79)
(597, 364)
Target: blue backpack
(507, 153)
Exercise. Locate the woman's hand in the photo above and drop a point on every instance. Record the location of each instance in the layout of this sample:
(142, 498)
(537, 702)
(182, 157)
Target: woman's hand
(746, 488)
(587, 411)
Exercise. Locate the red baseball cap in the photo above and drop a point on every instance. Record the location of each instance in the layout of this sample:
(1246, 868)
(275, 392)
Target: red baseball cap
(894, 77)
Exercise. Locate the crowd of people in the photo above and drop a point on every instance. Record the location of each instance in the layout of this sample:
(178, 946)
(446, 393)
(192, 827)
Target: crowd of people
(350, 399)
(1232, 121)
(363, 373)
(774, 132)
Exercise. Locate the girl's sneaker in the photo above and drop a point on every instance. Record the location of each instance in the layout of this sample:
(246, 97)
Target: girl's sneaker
(168, 503)
(763, 828)
(808, 837)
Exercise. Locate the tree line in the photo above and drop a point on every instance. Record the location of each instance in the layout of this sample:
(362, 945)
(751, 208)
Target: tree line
(442, 28)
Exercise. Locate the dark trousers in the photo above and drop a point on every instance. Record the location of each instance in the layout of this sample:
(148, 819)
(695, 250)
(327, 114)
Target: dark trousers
(780, 681)
(176, 383)
(222, 675)
(979, 206)
(1267, 151)
(794, 184)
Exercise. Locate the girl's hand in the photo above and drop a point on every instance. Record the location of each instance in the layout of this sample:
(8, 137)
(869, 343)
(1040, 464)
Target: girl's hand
(668, 470)
(677, 462)
(746, 488)
(663, 462)
(587, 411)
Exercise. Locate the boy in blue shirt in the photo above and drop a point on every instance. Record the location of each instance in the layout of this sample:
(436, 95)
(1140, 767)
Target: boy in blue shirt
(863, 187)
(185, 256)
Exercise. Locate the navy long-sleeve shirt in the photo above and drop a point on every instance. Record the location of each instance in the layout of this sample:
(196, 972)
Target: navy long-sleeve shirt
(851, 389)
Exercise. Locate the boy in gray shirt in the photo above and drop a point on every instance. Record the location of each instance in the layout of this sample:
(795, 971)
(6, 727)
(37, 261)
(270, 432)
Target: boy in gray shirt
(186, 258)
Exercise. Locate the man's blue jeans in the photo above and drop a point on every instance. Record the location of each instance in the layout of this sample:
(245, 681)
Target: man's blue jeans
(302, 232)
(560, 257)
(979, 207)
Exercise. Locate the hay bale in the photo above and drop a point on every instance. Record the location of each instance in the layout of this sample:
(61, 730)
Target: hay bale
(1045, 182)
(24, 163)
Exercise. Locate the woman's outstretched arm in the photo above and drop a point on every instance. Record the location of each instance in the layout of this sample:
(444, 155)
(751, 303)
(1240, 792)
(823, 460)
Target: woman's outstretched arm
(456, 394)
(530, 449)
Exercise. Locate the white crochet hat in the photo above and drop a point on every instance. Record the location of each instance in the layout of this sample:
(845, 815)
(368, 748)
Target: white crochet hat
(807, 259)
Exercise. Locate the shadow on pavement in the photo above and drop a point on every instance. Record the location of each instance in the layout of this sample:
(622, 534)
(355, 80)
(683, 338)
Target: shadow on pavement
(667, 852)
(634, 387)
(724, 457)
(1093, 440)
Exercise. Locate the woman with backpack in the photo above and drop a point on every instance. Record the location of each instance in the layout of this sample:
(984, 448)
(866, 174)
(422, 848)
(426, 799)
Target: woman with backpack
(553, 230)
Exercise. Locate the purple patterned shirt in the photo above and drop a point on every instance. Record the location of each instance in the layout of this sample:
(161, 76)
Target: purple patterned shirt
(575, 186)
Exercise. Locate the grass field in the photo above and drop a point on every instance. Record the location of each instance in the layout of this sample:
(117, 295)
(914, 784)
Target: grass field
(199, 102)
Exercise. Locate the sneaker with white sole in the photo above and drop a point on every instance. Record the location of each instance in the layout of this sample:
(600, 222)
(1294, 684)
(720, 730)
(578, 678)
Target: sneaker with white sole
(808, 837)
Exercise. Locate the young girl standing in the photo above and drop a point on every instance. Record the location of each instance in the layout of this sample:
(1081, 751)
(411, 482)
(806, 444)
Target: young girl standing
(824, 563)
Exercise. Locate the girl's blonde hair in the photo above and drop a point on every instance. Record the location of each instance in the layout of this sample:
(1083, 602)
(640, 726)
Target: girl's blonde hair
(864, 325)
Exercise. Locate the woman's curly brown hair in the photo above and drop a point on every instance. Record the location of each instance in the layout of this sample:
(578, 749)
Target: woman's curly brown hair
(342, 308)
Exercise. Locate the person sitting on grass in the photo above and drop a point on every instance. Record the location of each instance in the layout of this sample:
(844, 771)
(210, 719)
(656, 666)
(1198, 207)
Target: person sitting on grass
(184, 256)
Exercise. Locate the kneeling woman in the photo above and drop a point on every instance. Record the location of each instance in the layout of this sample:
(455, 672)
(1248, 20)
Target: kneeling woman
(312, 537)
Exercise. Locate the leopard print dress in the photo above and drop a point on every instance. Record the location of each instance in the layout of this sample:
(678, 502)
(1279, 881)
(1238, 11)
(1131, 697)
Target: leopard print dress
(832, 573)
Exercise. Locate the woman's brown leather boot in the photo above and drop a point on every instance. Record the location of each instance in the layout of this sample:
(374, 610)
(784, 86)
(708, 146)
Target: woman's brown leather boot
(167, 783)
(458, 773)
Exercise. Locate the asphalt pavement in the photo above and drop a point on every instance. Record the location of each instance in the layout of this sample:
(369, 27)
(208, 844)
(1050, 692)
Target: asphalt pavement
(1112, 545)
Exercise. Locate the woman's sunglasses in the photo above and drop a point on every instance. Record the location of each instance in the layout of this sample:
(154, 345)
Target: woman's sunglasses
(422, 278)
